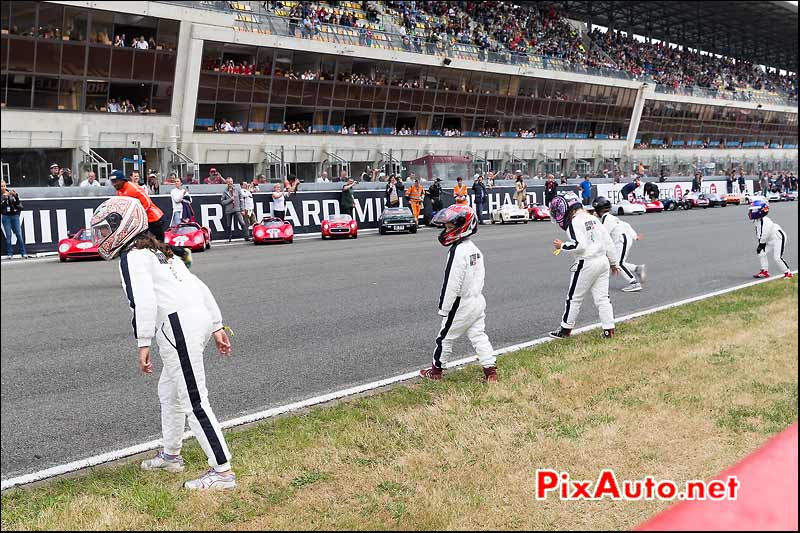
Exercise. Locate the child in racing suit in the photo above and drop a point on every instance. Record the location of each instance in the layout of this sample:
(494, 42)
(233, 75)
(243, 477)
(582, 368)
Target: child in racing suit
(595, 254)
(174, 307)
(461, 303)
(771, 239)
(623, 236)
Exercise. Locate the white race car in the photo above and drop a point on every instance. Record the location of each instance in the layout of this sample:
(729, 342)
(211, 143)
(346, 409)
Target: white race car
(510, 213)
(774, 197)
(770, 197)
(624, 207)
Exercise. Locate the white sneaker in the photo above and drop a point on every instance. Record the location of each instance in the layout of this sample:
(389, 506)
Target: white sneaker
(162, 462)
(632, 287)
(641, 271)
(213, 480)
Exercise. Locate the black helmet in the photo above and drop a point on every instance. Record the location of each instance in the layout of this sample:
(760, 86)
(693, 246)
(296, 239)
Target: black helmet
(601, 204)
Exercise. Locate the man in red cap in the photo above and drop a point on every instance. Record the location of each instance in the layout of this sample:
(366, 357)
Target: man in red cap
(214, 177)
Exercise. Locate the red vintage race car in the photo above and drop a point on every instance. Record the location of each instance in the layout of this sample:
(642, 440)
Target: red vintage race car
(652, 205)
(697, 200)
(79, 245)
(189, 235)
(272, 229)
(339, 226)
(538, 212)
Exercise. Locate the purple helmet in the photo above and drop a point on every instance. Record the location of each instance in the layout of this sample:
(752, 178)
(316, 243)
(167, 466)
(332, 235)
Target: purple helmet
(560, 208)
(759, 208)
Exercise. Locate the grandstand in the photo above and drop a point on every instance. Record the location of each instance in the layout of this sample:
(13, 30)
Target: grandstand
(281, 87)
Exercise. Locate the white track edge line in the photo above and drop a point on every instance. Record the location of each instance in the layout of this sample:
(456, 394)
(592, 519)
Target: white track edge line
(275, 411)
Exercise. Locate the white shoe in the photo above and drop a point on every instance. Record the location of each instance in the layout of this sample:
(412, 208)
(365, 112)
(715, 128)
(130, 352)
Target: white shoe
(641, 271)
(213, 480)
(161, 462)
(632, 287)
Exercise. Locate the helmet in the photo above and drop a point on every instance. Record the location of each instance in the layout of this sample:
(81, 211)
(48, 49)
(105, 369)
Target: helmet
(759, 208)
(115, 223)
(561, 206)
(462, 217)
(601, 204)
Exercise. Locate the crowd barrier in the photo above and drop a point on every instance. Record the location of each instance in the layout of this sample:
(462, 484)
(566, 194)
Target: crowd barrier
(45, 221)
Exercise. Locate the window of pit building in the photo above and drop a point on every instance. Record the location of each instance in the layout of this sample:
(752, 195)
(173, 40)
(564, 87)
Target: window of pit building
(19, 91)
(73, 45)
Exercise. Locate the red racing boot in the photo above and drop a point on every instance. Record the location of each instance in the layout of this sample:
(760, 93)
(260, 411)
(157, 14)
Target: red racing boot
(788, 275)
(432, 373)
(761, 274)
(490, 374)
(608, 333)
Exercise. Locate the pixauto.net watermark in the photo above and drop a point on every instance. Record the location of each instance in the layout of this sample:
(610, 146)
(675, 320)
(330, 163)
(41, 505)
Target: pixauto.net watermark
(560, 485)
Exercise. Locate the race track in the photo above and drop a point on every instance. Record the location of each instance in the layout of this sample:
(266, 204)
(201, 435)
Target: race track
(310, 318)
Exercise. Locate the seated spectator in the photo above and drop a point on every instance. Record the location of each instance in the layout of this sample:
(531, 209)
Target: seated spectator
(153, 184)
(113, 106)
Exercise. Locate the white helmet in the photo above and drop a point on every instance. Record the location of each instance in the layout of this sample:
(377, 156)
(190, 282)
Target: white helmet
(115, 223)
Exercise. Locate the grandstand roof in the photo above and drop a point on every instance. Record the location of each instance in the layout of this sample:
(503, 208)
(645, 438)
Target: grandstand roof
(764, 32)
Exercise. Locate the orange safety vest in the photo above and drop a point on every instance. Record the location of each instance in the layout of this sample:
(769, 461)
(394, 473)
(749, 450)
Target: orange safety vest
(154, 214)
(460, 190)
(415, 193)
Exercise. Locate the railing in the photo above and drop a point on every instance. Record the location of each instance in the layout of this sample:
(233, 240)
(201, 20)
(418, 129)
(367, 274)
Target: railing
(739, 96)
(260, 20)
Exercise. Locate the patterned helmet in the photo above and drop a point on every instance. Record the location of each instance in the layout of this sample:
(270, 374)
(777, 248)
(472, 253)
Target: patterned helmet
(115, 223)
(462, 217)
(759, 208)
(560, 208)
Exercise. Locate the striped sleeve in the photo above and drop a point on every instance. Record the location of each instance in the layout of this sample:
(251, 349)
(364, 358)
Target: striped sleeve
(572, 244)
(138, 284)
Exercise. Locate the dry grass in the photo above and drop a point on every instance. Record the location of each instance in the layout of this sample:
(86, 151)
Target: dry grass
(678, 395)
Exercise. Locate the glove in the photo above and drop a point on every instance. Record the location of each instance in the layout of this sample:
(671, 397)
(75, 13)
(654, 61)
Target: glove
(761, 247)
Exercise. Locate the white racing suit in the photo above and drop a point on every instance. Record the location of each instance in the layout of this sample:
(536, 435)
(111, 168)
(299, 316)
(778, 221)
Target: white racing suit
(174, 306)
(462, 304)
(771, 234)
(623, 236)
(595, 254)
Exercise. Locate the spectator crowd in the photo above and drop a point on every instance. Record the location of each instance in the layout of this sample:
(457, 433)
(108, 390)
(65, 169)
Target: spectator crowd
(533, 30)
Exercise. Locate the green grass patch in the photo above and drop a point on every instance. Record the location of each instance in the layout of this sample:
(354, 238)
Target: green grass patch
(683, 393)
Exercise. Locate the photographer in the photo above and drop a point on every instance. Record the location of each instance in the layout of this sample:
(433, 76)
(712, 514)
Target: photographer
(434, 192)
(54, 179)
(279, 202)
(10, 208)
(65, 177)
(392, 193)
(346, 201)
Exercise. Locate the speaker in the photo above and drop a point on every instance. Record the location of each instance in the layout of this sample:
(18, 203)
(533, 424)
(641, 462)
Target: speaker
(446, 61)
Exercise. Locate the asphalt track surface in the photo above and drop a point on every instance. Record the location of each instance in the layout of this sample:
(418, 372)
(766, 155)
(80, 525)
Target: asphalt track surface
(311, 318)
